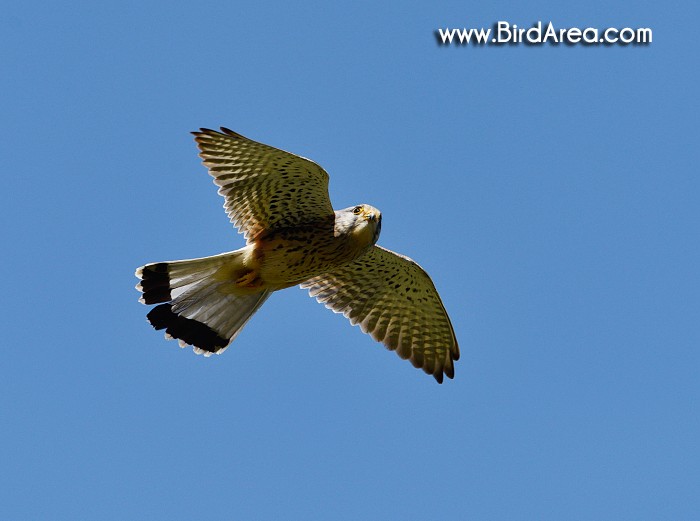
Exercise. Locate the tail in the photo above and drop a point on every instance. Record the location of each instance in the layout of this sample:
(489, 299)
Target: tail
(199, 307)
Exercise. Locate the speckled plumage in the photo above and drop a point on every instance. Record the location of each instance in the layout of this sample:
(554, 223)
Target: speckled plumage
(264, 188)
(280, 202)
(393, 299)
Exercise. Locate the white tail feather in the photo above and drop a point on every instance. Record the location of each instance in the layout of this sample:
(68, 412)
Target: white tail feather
(201, 306)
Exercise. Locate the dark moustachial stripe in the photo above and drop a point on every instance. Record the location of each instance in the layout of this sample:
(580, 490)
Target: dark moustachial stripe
(155, 283)
(193, 332)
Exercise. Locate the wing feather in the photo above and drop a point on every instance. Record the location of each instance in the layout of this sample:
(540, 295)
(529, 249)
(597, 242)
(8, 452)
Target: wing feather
(394, 300)
(264, 188)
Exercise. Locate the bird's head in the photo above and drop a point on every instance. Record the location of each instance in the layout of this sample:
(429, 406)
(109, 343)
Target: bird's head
(361, 222)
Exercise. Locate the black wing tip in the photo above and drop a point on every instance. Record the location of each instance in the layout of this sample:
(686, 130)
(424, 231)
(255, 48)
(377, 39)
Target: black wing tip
(448, 372)
(230, 132)
(203, 131)
(191, 331)
(447, 369)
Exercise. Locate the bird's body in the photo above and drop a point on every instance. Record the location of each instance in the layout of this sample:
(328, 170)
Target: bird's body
(294, 237)
(289, 256)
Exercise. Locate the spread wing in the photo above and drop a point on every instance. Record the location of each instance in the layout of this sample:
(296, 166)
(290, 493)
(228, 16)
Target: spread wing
(264, 187)
(393, 299)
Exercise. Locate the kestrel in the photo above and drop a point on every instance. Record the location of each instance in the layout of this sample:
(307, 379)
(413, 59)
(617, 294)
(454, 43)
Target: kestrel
(280, 203)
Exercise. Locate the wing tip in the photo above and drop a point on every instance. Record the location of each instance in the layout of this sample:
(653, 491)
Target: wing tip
(224, 131)
(232, 133)
(203, 131)
(447, 371)
(455, 349)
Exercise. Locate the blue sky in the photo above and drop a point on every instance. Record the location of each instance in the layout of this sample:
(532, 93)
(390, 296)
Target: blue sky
(551, 192)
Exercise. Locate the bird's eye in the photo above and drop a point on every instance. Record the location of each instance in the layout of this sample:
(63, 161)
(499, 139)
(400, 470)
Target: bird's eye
(357, 210)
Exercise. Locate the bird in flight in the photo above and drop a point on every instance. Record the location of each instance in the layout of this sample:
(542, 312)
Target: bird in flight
(280, 203)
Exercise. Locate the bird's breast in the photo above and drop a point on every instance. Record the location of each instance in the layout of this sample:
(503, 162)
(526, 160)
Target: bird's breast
(289, 257)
